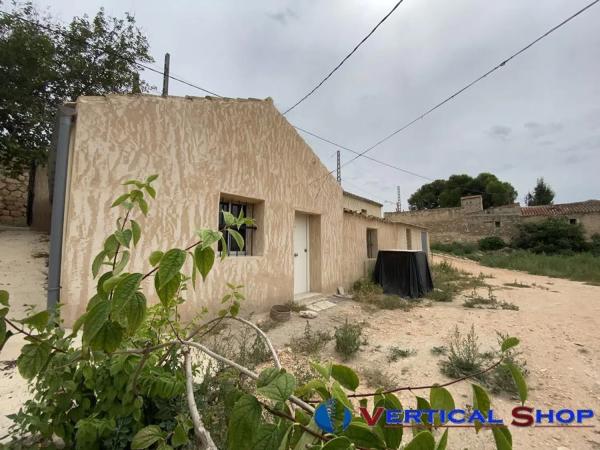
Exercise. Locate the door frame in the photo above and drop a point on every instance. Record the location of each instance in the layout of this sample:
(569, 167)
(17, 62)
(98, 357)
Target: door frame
(307, 221)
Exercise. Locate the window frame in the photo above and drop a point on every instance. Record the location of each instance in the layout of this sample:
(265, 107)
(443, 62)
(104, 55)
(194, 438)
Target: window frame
(247, 232)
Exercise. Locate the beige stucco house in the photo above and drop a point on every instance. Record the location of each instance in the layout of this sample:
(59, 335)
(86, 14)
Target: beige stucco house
(210, 154)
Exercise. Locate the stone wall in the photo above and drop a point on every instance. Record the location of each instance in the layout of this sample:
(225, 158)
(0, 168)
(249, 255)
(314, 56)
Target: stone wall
(13, 200)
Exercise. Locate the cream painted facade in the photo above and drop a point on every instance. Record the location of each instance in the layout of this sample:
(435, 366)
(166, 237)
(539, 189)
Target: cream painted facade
(360, 204)
(206, 150)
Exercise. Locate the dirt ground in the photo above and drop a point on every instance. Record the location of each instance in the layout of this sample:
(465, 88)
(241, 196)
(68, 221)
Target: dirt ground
(558, 324)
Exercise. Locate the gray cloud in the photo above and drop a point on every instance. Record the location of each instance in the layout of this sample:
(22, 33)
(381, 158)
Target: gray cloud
(537, 129)
(283, 16)
(500, 132)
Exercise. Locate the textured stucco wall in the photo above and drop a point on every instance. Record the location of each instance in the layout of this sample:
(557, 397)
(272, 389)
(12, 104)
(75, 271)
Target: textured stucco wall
(201, 148)
(358, 205)
(13, 200)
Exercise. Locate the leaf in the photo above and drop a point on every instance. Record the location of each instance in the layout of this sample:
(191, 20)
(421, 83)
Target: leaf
(204, 258)
(170, 265)
(339, 443)
(238, 238)
(108, 338)
(4, 335)
(267, 376)
(110, 245)
(155, 257)
(180, 436)
(501, 438)
(509, 343)
(338, 393)
(443, 442)
(422, 441)
(324, 371)
(146, 437)
(440, 399)
(136, 311)
(143, 206)
(123, 292)
(123, 237)
(519, 381)
(151, 178)
(136, 231)
(112, 281)
(363, 436)
(120, 200)
(167, 292)
(268, 437)
(97, 264)
(150, 190)
(37, 321)
(280, 388)
(243, 423)
(122, 263)
(345, 376)
(481, 401)
(392, 435)
(4, 297)
(32, 360)
(228, 218)
(208, 237)
(95, 319)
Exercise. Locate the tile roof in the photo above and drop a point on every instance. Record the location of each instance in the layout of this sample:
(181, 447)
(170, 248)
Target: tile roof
(589, 206)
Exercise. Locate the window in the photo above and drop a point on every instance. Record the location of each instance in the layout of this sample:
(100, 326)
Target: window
(363, 211)
(573, 221)
(248, 233)
(497, 224)
(371, 243)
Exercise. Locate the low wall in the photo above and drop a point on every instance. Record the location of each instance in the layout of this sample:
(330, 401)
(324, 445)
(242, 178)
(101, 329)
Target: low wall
(13, 200)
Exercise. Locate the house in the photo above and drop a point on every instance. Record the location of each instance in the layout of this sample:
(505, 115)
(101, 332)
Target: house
(211, 154)
(470, 221)
(360, 204)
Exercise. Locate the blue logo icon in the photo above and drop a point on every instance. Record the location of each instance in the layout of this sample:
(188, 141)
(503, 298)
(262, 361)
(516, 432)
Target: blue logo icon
(332, 416)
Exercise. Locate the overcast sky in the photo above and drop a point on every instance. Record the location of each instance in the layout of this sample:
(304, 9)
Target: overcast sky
(537, 116)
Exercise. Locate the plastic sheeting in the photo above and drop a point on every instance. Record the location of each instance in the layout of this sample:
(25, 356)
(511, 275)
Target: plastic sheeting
(403, 273)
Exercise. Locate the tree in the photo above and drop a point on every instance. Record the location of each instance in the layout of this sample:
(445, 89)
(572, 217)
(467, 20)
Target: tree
(542, 194)
(447, 193)
(44, 64)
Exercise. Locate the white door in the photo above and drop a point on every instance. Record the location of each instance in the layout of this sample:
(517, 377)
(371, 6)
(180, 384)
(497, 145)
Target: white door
(301, 284)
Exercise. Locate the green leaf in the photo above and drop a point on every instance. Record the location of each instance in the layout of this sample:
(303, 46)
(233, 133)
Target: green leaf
(363, 436)
(122, 263)
(280, 388)
(136, 183)
(338, 393)
(32, 359)
(120, 200)
(112, 281)
(150, 190)
(167, 292)
(136, 311)
(481, 401)
(146, 437)
(244, 423)
(392, 435)
(502, 438)
(170, 265)
(151, 178)
(155, 257)
(345, 376)
(122, 294)
(180, 436)
(110, 245)
(224, 250)
(519, 381)
(269, 436)
(204, 258)
(238, 238)
(267, 376)
(422, 441)
(208, 237)
(108, 338)
(4, 297)
(324, 371)
(509, 343)
(37, 321)
(443, 442)
(123, 237)
(97, 264)
(95, 319)
(136, 231)
(339, 443)
(229, 218)
(440, 398)
(4, 335)
(143, 206)
(315, 385)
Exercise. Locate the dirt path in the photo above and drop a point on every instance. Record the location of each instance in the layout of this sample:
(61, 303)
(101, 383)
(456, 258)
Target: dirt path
(558, 323)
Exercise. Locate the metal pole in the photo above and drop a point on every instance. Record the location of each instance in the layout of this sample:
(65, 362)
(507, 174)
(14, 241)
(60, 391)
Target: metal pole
(339, 168)
(399, 201)
(165, 90)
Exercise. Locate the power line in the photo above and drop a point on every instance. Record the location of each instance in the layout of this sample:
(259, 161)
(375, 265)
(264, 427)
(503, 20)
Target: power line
(344, 60)
(472, 83)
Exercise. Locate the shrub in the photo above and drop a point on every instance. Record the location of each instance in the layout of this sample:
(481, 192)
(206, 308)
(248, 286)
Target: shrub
(550, 236)
(463, 356)
(376, 378)
(366, 290)
(397, 353)
(491, 243)
(347, 339)
(455, 248)
(311, 342)
(595, 244)
(474, 300)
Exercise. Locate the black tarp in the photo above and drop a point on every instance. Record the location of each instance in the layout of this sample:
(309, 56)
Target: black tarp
(403, 273)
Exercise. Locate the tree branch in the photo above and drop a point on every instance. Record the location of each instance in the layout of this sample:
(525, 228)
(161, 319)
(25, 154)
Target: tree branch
(202, 434)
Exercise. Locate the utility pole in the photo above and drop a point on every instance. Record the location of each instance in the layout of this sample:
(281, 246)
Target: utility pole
(165, 90)
(399, 201)
(339, 168)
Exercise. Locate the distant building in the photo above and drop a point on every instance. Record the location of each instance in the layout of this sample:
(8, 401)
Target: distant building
(362, 205)
(471, 222)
